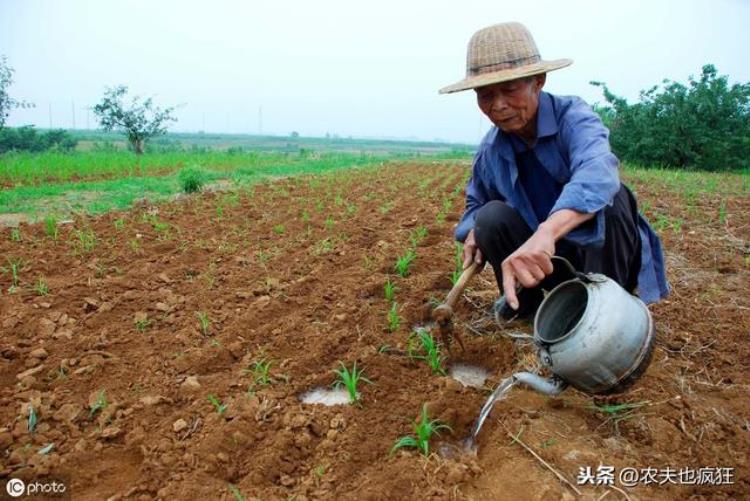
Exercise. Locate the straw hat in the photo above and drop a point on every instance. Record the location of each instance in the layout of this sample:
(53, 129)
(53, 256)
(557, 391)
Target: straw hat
(500, 53)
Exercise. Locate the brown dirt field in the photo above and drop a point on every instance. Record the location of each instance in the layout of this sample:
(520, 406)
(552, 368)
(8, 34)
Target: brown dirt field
(310, 295)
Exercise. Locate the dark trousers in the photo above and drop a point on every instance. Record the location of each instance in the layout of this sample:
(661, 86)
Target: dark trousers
(499, 230)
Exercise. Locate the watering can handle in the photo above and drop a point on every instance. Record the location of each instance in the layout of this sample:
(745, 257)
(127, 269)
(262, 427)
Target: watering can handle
(581, 276)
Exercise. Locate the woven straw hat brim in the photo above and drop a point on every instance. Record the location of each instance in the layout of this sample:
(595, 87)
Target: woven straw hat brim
(506, 75)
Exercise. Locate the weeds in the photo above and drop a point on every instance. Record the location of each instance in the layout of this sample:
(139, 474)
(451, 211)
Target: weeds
(404, 262)
(350, 380)
(192, 179)
(218, 406)
(204, 322)
(424, 429)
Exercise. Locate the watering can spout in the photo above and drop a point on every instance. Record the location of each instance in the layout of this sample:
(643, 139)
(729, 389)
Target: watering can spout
(552, 386)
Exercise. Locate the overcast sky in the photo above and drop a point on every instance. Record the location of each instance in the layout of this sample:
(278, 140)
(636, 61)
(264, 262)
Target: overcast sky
(365, 69)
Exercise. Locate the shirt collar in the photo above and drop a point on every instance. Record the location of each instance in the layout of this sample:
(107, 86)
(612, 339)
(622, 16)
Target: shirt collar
(546, 123)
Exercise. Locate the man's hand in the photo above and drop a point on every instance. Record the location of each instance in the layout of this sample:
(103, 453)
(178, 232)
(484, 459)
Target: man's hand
(529, 264)
(471, 251)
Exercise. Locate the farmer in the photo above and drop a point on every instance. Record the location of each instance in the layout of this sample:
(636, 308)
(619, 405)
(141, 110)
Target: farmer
(544, 183)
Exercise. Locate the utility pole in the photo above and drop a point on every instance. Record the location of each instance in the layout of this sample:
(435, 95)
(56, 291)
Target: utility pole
(203, 128)
(50, 115)
(260, 120)
(73, 110)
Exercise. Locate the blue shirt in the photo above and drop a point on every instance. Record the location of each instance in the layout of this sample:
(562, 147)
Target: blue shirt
(572, 146)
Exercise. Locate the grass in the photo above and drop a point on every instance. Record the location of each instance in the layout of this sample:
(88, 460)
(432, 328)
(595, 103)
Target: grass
(350, 380)
(97, 182)
(424, 429)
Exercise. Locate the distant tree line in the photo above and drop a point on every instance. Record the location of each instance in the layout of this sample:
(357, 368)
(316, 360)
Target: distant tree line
(29, 139)
(703, 125)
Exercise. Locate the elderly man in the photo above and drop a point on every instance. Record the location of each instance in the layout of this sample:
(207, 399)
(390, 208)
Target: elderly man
(544, 182)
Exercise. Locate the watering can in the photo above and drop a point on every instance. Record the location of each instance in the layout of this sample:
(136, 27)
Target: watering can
(591, 334)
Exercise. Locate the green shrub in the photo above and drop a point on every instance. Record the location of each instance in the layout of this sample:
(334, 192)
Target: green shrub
(192, 179)
(704, 124)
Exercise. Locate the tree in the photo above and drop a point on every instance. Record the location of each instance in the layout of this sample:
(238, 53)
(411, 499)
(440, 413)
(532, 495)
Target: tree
(704, 124)
(140, 121)
(7, 103)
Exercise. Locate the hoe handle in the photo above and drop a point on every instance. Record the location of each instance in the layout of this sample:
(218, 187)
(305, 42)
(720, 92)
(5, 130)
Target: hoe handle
(458, 288)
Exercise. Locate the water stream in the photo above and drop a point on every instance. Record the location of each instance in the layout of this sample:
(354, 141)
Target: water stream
(470, 444)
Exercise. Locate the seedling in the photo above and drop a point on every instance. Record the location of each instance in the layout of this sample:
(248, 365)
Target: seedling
(236, 493)
(423, 431)
(389, 290)
(15, 235)
(141, 323)
(41, 287)
(404, 262)
(100, 404)
(417, 236)
(261, 371)
(50, 227)
(85, 241)
(431, 351)
(350, 380)
(330, 223)
(279, 229)
(305, 216)
(14, 267)
(204, 321)
(220, 408)
(394, 320)
(32, 419)
(119, 224)
(459, 262)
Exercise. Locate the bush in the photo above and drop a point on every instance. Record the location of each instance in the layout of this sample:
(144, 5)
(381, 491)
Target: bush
(28, 139)
(192, 179)
(704, 125)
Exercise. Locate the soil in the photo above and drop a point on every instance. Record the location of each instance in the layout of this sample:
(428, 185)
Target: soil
(292, 272)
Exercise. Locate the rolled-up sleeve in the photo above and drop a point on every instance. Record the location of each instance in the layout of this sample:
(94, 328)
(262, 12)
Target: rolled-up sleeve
(594, 177)
(476, 197)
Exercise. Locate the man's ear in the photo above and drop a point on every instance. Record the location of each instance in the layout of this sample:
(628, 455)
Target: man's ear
(539, 81)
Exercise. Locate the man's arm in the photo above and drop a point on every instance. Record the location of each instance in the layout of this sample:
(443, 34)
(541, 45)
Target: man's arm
(592, 186)
(531, 262)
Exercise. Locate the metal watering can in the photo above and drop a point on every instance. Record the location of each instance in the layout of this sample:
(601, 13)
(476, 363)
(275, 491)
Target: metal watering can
(591, 334)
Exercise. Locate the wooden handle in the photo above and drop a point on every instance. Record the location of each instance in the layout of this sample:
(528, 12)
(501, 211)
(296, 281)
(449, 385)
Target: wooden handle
(458, 288)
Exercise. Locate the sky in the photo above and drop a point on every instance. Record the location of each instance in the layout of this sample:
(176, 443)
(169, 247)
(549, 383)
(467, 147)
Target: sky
(347, 68)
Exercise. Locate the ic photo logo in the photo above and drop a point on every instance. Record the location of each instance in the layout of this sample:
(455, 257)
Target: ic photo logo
(47, 487)
(15, 487)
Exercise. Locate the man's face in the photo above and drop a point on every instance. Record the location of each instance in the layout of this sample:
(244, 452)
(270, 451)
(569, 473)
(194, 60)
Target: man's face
(512, 105)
